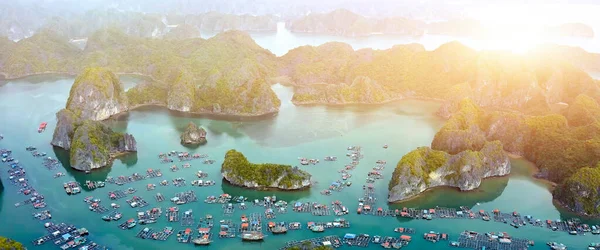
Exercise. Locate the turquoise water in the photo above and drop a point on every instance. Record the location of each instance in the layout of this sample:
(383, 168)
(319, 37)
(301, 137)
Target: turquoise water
(307, 131)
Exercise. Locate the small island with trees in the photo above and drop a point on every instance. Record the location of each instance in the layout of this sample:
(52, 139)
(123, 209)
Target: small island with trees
(237, 170)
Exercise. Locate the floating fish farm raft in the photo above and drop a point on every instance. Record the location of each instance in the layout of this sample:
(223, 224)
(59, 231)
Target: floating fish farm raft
(331, 240)
(492, 241)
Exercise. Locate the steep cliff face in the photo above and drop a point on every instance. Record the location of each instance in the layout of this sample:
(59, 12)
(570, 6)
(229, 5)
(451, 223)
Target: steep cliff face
(425, 168)
(97, 94)
(237, 170)
(94, 145)
(193, 135)
(580, 192)
(66, 123)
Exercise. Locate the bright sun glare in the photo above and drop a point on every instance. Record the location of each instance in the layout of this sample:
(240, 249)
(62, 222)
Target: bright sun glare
(516, 27)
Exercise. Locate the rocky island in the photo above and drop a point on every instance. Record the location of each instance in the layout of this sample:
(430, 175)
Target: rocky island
(96, 95)
(425, 168)
(193, 135)
(579, 192)
(9, 244)
(237, 170)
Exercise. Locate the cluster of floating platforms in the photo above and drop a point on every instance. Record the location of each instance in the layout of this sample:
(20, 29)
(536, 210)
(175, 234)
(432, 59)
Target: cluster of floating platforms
(43, 215)
(313, 208)
(172, 214)
(137, 201)
(187, 219)
(227, 229)
(66, 236)
(117, 194)
(500, 241)
(121, 180)
(185, 197)
(95, 205)
(331, 240)
(149, 233)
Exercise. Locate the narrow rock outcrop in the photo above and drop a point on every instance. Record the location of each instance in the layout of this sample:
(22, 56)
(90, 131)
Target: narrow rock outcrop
(66, 122)
(193, 135)
(425, 168)
(237, 170)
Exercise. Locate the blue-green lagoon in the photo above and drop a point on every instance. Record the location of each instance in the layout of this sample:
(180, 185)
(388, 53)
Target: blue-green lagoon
(296, 131)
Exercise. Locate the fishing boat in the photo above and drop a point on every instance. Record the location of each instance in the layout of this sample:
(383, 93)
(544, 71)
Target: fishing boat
(279, 229)
(117, 216)
(42, 127)
(318, 229)
(202, 241)
(131, 224)
(253, 236)
(106, 218)
(148, 221)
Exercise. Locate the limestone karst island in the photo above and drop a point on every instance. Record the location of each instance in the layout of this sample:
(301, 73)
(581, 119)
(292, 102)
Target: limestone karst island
(299, 125)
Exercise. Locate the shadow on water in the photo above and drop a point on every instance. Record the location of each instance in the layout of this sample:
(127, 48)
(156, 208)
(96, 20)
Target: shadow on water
(289, 196)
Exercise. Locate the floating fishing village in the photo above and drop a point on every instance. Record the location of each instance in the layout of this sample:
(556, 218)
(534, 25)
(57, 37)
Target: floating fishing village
(256, 220)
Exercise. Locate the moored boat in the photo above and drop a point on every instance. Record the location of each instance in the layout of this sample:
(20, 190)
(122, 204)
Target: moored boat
(253, 236)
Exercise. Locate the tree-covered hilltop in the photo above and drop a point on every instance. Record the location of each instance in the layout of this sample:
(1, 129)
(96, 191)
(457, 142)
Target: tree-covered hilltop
(237, 170)
(580, 191)
(226, 74)
(8, 244)
(531, 83)
(43, 52)
(560, 146)
(549, 141)
(95, 95)
(425, 168)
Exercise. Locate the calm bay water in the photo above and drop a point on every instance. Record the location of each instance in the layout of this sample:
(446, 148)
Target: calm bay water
(312, 132)
(307, 131)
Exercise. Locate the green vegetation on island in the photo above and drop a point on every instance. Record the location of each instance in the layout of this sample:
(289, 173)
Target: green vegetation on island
(580, 191)
(237, 170)
(425, 168)
(531, 83)
(559, 146)
(226, 74)
(96, 95)
(8, 244)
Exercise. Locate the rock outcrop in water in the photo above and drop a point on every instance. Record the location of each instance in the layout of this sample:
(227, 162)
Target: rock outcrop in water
(580, 192)
(425, 168)
(97, 94)
(66, 122)
(94, 145)
(193, 135)
(237, 170)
